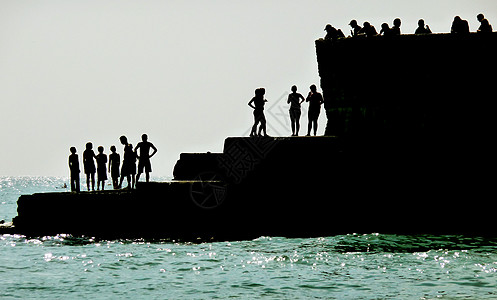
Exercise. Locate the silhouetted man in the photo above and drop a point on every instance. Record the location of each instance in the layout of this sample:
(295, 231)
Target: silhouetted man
(395, 30)
(368, 30)
(459, 26)
(356, 28)
(315, 100)
(128, 168)
(422, 29)
(485, 26)
(332, 33)
(144, 157)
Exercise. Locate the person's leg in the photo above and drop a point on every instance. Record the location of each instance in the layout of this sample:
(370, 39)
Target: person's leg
(263, 125)
(88, 181)
(92, 181)
(147, 176)
(315, 126)
(297, 123)
(292, 120)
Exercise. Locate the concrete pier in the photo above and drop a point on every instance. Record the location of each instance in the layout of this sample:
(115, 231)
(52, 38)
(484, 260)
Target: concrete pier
(407, 151)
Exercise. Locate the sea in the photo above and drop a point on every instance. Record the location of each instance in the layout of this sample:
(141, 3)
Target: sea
(351, 266)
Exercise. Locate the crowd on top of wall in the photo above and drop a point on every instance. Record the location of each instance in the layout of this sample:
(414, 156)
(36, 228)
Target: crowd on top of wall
(459, 26)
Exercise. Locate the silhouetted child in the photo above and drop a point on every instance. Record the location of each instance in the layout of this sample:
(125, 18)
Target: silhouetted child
(74, 169)
(257, 103)
(114, 163)
(144, 157)
(89, 165)
(101, 168)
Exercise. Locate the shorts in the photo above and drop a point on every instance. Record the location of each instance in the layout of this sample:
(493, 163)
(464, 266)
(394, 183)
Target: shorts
(145, 163)
(128, 168)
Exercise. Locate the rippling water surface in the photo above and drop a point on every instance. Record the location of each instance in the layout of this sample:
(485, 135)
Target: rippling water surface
(370, 266)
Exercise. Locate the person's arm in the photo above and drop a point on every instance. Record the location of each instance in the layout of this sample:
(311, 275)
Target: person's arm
(250, 103)
(136, 148)
(301, 97)
(110, 162)
(155, 150)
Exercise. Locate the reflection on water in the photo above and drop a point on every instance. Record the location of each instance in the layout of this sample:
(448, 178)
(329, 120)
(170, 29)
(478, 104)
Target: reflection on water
(344, 267)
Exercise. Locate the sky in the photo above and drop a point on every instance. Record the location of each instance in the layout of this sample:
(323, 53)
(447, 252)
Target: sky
(180, 71)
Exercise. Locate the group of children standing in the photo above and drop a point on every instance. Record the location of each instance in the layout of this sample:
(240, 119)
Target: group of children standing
(128, 168)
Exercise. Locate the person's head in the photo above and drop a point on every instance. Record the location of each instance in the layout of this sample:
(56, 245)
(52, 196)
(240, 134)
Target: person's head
(421, 23)
(313, 88)
(457, 19)
(385, 27)
(397, 22)
(123, 140)
(294, 88)
(100, 149)
(113, 148)
(73, 150)
(260, 92)
(353, 23)
(480, 17)
(144, 137)
(328, 28)
(89, 146)
(366, 25)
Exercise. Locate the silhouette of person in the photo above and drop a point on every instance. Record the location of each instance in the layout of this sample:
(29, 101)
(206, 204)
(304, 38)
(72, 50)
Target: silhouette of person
(485, 26)
(386, 30)
(74, 169)
(101, 159)
(368, 30)
(114, 163)
(315, 100)
(89, 165)
(396, 27)
(144, 157)
(459, 26)
(332, 33)
(295, 100)
(422, 29)
(356, 28)
(128, 168)
(257, 103)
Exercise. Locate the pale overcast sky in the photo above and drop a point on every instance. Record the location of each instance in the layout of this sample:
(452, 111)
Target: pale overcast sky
(180, 71)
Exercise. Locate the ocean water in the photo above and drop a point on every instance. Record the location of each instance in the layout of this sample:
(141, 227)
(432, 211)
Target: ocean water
(353, 266)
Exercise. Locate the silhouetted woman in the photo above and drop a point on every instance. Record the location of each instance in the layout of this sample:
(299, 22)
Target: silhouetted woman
(294, 99)
(257, 103)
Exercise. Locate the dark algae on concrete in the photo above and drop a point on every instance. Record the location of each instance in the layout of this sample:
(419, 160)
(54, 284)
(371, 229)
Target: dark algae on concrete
(407, 149)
